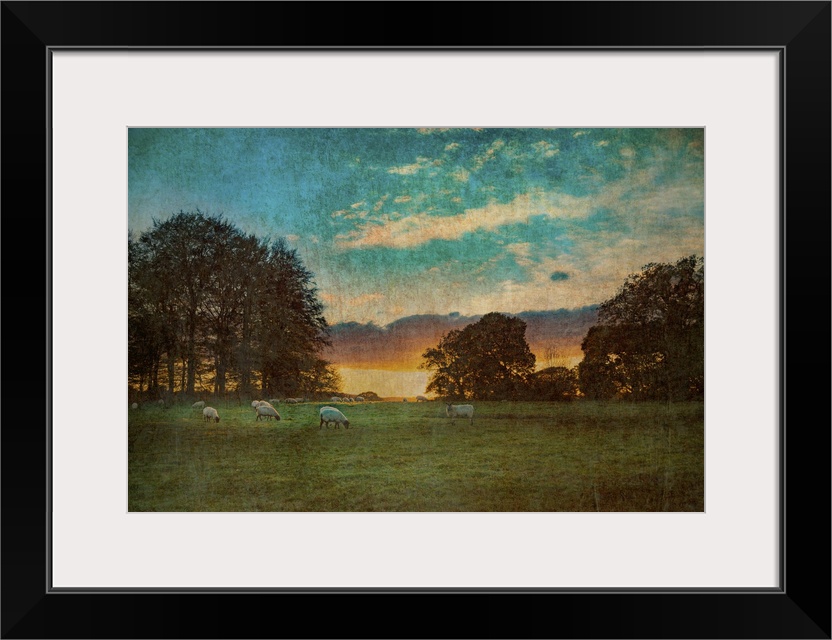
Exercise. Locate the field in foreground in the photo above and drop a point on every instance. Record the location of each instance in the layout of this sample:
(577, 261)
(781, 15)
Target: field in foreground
(517, 456)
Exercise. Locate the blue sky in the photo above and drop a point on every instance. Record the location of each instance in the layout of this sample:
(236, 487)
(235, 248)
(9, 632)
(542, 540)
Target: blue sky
(397, 222)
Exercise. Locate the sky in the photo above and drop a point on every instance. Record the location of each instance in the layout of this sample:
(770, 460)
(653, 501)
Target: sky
(408, 228)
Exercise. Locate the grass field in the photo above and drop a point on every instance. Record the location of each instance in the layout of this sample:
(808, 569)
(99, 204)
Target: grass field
(517, 456)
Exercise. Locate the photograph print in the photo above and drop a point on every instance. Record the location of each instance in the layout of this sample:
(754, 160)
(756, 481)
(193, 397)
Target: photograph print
(416, 319)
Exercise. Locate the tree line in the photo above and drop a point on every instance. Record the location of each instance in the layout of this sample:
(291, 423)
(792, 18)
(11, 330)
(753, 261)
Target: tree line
(648, 344)
(211, 308)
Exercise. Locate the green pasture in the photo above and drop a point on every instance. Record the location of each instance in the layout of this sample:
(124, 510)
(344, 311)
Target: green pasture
(517, 456)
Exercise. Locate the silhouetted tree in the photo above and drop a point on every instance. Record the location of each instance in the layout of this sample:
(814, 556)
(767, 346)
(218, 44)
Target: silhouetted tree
(649, 342)
(489, 359)
(553, 383)
(227, 305)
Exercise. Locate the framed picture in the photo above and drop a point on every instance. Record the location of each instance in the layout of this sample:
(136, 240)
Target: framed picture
(753, 78)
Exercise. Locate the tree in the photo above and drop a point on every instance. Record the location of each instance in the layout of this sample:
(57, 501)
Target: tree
(223, 306)
(649, 342)
(289, 324)
(554, 383)
(487, 360)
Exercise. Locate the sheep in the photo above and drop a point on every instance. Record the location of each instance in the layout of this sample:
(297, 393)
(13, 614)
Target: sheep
(263, 403)
(135, 405)
(421, 399)
(274, 401)
(209, 413)
(198, 405)
(291, 400)
(359, 399)
(335, 399)
(460, 411)
(254, 404)
(268, 411)
(331, 414)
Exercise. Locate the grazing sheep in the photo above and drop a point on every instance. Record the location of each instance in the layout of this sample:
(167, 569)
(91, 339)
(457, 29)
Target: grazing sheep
(291, 400)
(359, 399)
(198, 405)
(268, 411)
(263, 403)
(335, 399)
(209, 413)
(331, 414)
(460, 411)
(135, 405)
(254, 404)
(274, 401)
(421, 399)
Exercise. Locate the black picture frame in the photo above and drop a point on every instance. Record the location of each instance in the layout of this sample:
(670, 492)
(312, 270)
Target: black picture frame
(800, 608)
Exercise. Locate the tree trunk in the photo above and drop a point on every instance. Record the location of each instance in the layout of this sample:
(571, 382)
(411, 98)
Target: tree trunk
(245, 348)
(171, 373)
(191, 353)
(219, 380)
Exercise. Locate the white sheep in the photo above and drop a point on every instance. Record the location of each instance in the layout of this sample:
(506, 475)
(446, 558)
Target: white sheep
(268, 411)
(209, 413)
(335, 399)
(459, 411)
(198, 405)
(359, 398)
(421, 399)
(254, 404)
(274, 401)
(135, 405)
(291, 400)
(331, 414)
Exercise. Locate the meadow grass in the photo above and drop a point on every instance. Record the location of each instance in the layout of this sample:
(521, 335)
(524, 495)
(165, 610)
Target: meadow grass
(517, 456)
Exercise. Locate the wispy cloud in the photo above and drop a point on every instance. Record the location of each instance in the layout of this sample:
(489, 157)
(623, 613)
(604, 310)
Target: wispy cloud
(522, 252)
(424, 227)
(488, 154)
(380, 203)
(461, 174)
(545, 149)
(410, 169)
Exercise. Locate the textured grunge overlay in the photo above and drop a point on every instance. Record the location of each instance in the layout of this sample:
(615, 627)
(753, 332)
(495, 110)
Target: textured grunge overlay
(559, 270)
